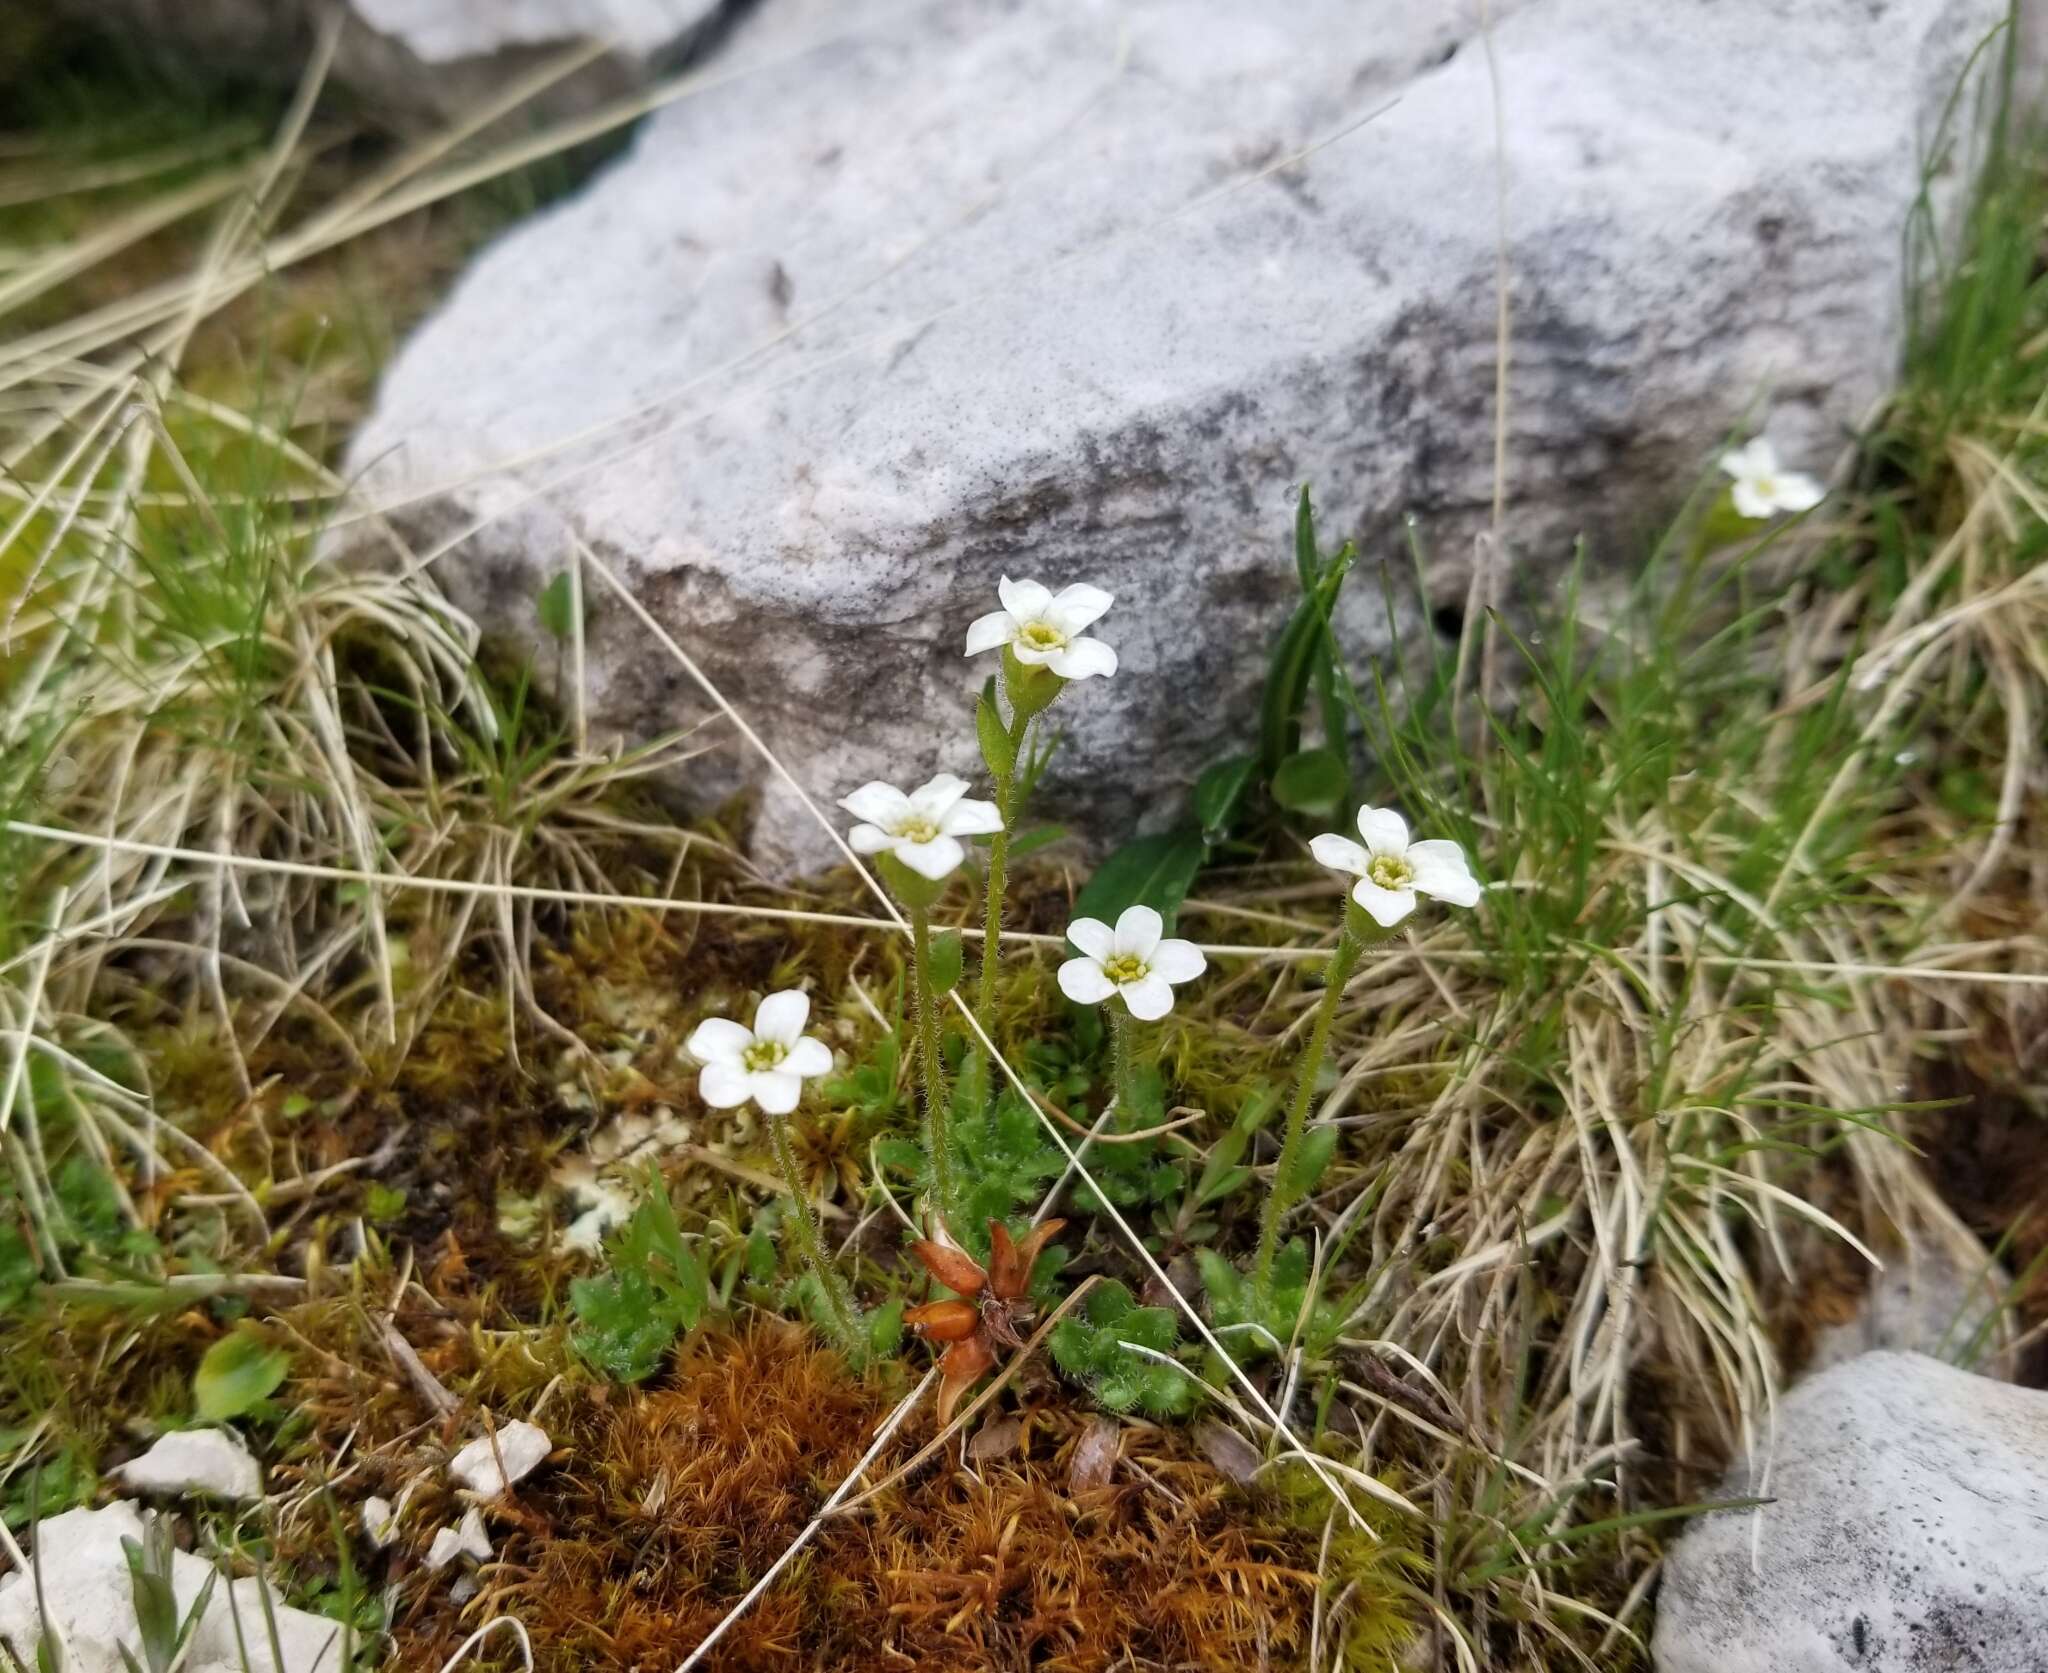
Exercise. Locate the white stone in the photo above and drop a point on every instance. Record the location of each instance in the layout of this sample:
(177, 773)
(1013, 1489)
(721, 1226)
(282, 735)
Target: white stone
(1905, 1534)
(209, 1461)
(1931, 1300)
(964, 293)
(467, 1540)
(488, 1465)
(380, 1521)
(91, 1599)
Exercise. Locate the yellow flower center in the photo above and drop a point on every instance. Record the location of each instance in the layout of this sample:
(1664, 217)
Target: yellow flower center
(1390, 871)
(763, 1055)
(1124, 967)
(1041, 636)
(917, 828)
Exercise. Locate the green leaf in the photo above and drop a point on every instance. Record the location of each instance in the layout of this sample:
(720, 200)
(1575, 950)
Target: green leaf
(885, 1329)
(1220, 790)
(998, 748)
(555, 604)
(1312, 1161)
(1311, 782)
(1094, 1346)
(1154, 871)
(947, 959)
(1295, 659)
(1031, 841)
(1306, 564)
(656, 1289)
(238, 1373)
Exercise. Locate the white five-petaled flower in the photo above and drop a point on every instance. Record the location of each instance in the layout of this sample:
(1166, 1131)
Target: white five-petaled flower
(922, 829)
(1042, 629)
(1761, 488)
(1392, 871)
(768, 1063)
(1131, 960)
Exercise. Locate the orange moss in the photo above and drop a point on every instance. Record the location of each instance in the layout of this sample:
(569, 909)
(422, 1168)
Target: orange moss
(670, 1504)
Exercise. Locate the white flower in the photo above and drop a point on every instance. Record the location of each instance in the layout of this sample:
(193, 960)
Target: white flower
(922, 829)
(1763, 490)
(1131, 960)
(1041, 629)
(1392, 871)
(768, 1063)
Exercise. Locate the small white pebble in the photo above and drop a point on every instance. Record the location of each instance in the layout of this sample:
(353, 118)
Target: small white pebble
(468, 1540)
(520, 1445)
(186, 1461)
(380, 1521)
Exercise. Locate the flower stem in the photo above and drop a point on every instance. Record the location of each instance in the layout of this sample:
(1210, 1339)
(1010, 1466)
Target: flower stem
(938, 1141)
(1120, 1058)
(838, 1294)
(998, 877)
(1283, 1195)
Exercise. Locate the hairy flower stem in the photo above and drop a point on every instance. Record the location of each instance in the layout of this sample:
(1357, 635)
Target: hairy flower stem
(838, 1294)
(1284, 1195)
(1120, 1056)
(938, 1141)
(998, 878)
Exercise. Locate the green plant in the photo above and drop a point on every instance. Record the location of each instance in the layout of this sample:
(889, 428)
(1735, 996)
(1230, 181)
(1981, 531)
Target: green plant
(1096, 1345)
(237, 1376)
(653, 1291)
(163, 1630)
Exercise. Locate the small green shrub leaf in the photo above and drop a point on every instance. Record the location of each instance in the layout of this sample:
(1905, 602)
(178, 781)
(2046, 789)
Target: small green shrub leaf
(947, 960)
(1220, 790)
(1312, 781)
(1318, 1145)
(238, 1374)
(555, 604)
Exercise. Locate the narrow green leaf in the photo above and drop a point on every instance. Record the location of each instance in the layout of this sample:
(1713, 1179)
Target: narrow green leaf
(1154, 871)
(1306, 564)
(947, 958)
(556, 606)
(998, 748)
(238, 1373)
(1219, 791)
(1044, 836)
(1318, 1145)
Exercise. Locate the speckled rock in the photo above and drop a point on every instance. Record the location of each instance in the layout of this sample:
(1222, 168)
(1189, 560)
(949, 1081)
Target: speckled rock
(1081, 291)
(1905, 1534)
(1929, 1299)
(418, 61)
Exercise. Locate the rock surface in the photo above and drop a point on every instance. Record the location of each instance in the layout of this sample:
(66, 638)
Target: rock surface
(91, 1599)
(208, 1461)
(964, 293)
(1927, 1300)
(418, 59)
(1905, 1534)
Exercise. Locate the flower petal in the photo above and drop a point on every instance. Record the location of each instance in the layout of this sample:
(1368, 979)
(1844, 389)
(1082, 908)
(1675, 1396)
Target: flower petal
(724, 1086)
(808, 1058)
(1441, 871)
(1149, 997)
(777, 1091)
(869, 839)
(1750, 501)
(1082, 659)
(877, 803)
(1025, 600)
(1178, 961)
(1138, 930)
(1093, 937)
(1754, 458)
(782, 1016)
(1339, 853)
(718, 1040)
(1077, 606)
(1386, 907)
(937, 859)
(1082, 981)
(1030, 655)
(1799, 492)
(968, 817)
(1384, 830)
(938, 793)
(985, 633)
